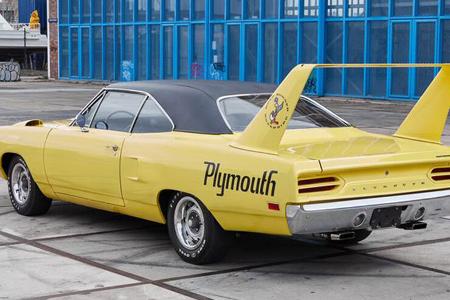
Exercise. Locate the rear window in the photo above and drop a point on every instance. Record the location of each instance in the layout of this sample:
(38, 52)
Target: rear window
(239, 111)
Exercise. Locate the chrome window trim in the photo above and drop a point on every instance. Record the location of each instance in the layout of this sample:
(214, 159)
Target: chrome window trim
(107, 90)
(148, 96)
(163, 111)
(98, 107)
(89, 104)
(313, 102)
(317, 104)
(220, 99)
(137, 114)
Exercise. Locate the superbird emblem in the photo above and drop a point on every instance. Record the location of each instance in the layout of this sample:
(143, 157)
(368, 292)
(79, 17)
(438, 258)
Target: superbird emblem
(276, 111)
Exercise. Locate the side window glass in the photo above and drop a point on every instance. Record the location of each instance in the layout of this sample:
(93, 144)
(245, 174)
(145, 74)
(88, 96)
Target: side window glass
(117, 111)
(152, 119)
(89, 113)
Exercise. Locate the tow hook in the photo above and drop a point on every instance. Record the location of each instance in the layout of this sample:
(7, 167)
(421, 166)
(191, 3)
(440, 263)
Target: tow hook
(413, 226)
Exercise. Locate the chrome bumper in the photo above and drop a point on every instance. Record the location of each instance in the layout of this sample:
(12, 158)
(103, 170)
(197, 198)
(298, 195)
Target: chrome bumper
(340, 215)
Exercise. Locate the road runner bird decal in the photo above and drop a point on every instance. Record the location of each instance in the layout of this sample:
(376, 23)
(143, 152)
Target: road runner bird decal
(273, 115)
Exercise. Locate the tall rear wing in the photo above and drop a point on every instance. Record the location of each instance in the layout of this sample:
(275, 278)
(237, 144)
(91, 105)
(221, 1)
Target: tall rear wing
(425, 122)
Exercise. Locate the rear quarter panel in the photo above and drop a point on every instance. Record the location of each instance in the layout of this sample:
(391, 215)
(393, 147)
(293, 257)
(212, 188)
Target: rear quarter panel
(177, 161)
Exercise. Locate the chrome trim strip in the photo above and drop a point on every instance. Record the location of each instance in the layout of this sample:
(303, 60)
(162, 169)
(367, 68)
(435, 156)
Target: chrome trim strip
(100, 101)
(162, 109)
(317, 104)
(137, 114)
(395, 199)
(89, 104)
(113, 89)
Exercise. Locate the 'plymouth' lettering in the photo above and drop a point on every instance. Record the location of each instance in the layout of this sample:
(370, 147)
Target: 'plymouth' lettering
(264, 185)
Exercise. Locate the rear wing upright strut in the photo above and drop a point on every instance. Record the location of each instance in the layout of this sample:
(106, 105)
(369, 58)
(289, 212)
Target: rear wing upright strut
(425, 122)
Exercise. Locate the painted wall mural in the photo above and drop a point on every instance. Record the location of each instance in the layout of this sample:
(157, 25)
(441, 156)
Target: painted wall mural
(9, 71)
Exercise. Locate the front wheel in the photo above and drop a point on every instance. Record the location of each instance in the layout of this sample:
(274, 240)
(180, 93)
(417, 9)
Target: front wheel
(26, 198)
(196, 235)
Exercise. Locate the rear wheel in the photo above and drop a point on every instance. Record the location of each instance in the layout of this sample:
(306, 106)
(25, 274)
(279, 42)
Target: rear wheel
(26, 198)
(195, 234)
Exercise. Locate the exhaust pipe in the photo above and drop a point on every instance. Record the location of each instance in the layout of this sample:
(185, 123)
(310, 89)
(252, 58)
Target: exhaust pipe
(413, 226)
(342, 236)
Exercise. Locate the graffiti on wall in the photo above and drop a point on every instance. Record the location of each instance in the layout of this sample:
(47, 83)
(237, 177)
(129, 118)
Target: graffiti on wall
(127, 70)
(311, 86)
(9, 71)
(217, 71)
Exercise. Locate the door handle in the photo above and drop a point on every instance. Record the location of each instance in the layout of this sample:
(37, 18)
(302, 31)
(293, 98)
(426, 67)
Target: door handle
(113, 148)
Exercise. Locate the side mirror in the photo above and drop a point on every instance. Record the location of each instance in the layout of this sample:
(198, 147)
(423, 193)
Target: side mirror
(81, 122)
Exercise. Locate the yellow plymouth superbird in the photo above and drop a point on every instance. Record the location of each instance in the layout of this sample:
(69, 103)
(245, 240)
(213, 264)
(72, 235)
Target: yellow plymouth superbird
(210, 158)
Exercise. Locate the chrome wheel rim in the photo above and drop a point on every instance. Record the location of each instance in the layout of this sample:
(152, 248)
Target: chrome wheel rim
(20, 183)
(189, 223)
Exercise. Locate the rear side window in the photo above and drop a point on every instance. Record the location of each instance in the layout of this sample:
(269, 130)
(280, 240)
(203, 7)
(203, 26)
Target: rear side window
(152, 119)
(239, 111)
(117, 111)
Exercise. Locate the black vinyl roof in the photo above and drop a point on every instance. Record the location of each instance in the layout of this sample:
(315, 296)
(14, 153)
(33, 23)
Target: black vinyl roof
(192, 104)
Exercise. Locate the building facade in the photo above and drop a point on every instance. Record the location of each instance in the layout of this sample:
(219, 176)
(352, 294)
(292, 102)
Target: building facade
(9, 9)
(255, 40)
(26, 7)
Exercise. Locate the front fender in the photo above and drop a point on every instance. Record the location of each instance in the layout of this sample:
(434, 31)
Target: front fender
(28, 142)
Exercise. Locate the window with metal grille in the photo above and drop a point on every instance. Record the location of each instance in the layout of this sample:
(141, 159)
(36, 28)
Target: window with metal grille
(335, 8)
(356, 8)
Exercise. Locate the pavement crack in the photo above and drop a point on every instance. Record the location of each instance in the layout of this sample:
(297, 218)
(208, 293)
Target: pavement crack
(73, 257)
(138, 278)
(60, 237)
(85, 292)
(397, 261)
(250, 267)
(6, 212)
(406, 245)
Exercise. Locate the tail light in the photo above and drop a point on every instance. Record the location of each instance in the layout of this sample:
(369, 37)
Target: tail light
(322, 184)
(440, 174)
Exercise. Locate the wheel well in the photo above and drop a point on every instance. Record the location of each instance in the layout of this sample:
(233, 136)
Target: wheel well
(163, 200)
(6, 159)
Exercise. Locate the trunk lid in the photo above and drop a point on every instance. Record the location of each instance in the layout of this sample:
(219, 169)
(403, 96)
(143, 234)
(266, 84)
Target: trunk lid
(342, 146)
(357, 164)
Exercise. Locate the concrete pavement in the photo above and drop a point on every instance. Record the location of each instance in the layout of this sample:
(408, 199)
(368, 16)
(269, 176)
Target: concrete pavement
(80, 253)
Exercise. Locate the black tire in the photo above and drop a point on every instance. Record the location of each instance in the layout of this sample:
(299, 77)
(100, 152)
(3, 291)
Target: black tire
(214, 244)
(34, 203)
(360, 235)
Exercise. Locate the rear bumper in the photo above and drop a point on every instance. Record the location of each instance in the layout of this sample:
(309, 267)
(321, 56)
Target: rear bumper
(340, 215)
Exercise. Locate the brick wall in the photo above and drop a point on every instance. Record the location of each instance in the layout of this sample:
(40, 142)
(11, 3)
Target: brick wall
(53, 38)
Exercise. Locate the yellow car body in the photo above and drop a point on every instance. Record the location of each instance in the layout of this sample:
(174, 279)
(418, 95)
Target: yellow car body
(266, 179)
